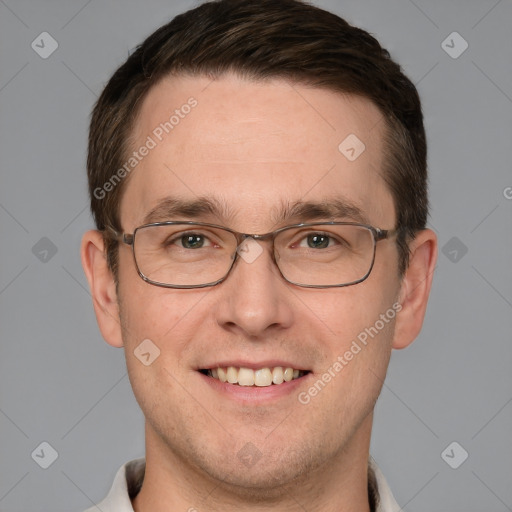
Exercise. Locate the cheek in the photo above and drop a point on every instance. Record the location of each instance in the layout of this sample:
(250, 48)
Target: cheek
(158, 325)
(360, 323)
(152, 312)
(357, 364)
(347, 314)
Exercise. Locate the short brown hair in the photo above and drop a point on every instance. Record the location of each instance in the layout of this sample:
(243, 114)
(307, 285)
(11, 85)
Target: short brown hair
(258, 39)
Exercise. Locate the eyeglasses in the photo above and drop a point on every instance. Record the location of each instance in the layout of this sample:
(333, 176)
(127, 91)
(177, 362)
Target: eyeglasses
(182, 254)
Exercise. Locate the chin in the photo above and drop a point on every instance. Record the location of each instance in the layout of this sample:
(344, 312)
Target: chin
(265, 481)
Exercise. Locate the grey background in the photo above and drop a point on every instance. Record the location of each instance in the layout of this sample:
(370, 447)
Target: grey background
(60, 383)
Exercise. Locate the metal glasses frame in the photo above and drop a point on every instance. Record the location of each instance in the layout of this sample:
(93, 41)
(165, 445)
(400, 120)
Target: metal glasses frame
(377, 234)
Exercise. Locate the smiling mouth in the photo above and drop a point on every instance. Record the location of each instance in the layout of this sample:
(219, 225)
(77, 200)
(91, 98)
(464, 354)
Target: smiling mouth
(262, 377)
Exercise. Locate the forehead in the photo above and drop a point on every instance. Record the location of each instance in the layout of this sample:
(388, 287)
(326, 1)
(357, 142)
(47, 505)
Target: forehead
(254, 147)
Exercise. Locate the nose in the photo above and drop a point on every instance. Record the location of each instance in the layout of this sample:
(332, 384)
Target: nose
(255, 299)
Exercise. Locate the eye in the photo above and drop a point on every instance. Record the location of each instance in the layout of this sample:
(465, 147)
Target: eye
(190, 241)
(317, 241)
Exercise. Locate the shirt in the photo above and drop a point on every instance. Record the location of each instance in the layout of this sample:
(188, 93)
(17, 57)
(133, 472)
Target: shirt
(129, 478)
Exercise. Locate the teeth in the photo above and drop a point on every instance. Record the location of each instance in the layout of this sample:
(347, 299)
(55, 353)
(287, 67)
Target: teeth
(245, 377)
(277, 375)
(263, 377)
(232, 375)
(222, 374)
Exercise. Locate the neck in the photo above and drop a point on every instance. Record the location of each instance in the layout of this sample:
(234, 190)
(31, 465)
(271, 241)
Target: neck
(339, 484)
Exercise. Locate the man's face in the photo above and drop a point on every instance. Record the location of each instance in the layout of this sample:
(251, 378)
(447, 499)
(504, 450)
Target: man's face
(254, 147)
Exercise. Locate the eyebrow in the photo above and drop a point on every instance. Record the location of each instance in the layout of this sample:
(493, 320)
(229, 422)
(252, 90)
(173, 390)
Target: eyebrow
(328, 209)
(171, 208)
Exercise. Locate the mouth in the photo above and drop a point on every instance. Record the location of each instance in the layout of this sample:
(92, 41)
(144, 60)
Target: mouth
(248, 377)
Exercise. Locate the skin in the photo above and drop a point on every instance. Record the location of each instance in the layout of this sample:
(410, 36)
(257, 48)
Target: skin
(254, 145)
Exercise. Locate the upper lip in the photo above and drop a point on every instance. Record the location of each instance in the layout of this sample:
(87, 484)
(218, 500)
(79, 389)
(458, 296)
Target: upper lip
(237, 363)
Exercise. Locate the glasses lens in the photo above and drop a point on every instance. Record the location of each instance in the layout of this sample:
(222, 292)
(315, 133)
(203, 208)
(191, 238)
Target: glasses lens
(183, 254)
(325, 255)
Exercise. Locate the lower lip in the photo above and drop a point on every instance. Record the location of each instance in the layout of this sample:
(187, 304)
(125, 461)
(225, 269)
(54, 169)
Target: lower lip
(255, 394)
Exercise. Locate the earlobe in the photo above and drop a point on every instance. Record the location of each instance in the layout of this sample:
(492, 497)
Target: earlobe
(415, 288)
(102, 286)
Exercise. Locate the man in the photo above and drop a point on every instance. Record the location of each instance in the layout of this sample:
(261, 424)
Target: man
(257, 172)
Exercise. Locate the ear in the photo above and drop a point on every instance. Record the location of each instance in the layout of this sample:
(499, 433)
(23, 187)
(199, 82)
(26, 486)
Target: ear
(102, 286)
(415, 288)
